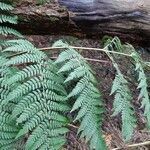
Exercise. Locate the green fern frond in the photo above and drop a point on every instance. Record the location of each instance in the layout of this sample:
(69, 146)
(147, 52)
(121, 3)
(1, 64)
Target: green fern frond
(88, 100)
(5, 7)
(20, 45)
(8, 128)
(122, 104)
(113, 44)
(4, 30)
(34, 101)
(40, 99)
(142, 85)
(8, 132)
(28, 72)
(9, 19)
(27, 53)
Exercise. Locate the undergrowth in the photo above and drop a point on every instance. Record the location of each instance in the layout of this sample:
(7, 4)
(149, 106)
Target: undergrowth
(40, 97)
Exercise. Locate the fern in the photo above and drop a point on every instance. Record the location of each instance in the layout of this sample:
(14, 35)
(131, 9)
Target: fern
(9, 19)
(122, 104)
(40, 100)
(88, 99)
(35, 94)
(142, 85)
(4, 9)
(8, 129)
(37, 101)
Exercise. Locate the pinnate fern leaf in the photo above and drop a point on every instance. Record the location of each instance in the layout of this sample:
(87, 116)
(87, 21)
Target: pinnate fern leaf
(88, 99)
(6, 7)
(8, 128)
(40, 99)
(5, 30)
(122, 104)
(142, 85)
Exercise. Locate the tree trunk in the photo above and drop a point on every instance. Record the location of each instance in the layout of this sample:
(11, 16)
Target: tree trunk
(128, 19)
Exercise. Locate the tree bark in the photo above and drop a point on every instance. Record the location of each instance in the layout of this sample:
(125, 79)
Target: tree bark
(128, 19)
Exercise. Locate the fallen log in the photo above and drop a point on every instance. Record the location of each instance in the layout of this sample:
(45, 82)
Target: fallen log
(128, 19)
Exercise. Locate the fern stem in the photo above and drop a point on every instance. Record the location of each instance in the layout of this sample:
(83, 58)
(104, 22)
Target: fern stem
(85, 48)
(73, 126)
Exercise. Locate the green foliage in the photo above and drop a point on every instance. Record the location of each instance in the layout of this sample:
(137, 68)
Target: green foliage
(122, 99)
(37, 94)
(122, 104)
(88, 101)
(112, 44)
(142, 85)
(8, 129)
(33, 98)
(40, 101)
(5, 7)
(5, 17)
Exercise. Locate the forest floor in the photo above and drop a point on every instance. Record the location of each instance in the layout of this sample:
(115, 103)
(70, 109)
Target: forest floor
(105, 74)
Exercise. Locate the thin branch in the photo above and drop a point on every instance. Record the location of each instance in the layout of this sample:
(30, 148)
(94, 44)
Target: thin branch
(85, 48)
(134, 145)
(73, 126)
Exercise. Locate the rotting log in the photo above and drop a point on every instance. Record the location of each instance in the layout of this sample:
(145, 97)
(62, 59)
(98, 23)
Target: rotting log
(128, 19)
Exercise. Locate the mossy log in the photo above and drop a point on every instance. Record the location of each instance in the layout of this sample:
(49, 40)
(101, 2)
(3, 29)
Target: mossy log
(128, 19)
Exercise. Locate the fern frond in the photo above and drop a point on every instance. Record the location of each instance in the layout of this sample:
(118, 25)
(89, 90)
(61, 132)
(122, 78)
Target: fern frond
(5, 7)
(142, 85)
(27, 53)
(8, 128)
(122, 104)
(113, 44)
(6, 30)
(88, 100)
(9, 19)
(20, 45)
(31, 96)
(40, 98)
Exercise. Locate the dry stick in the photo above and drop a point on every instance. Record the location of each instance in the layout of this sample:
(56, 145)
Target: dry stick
(73, 126)
(86, 48)
(80, 48)
(134, 145)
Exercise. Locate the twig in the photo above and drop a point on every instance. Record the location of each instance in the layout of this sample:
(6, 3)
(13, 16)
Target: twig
(134, 145)
(85, 48)
(71, 125)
